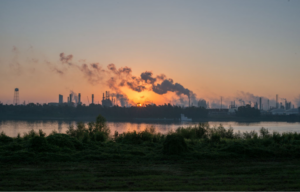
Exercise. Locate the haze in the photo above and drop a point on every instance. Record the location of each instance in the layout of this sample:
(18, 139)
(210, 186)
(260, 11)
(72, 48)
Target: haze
(233, 48)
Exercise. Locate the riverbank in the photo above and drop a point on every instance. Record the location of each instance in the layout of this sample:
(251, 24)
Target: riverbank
(192, 158)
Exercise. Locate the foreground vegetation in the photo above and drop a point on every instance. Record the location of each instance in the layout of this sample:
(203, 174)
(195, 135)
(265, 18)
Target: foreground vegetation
(193, 158)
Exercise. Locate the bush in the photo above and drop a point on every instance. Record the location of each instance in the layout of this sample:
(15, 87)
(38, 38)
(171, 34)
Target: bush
(99, 136)
(13, 146)
(148, 135)
(215, 138)
(30, 135)
(63, 140)
(38, 144)
(4, 138)
(97, 131)
(264, 133)
(174, 144)
(250, 135)
(196, 132)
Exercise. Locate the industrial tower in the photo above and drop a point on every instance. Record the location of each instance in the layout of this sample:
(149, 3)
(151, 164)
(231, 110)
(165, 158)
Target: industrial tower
(16, 96)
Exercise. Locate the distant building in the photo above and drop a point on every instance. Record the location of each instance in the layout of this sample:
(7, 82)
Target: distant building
(60, 99)
(232, 108)
(106, 100)
(285, 112)
(202, 103)
(292, 112)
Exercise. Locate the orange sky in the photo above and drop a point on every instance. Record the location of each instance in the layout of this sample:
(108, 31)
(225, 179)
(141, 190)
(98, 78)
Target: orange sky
(234, 49)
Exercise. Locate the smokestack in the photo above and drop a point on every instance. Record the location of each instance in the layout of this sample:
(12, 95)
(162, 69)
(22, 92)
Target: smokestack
(79, 98)
(103, 97)
(277, 101)
(70, 98)
(92, 98)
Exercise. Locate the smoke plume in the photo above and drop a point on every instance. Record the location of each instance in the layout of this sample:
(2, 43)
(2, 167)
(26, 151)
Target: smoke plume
(122, 77)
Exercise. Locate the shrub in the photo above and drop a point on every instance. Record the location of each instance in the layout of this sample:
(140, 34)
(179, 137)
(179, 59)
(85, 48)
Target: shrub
(250, 135)
(264, 133)
(97, 131)
(196, 132)
(174, 144)
(99, 136)
(30, 135)
(4, 138)
(63, 140)
(215, 138)
(38, 144)
(148, 135)
(13, 146)
(276, 137)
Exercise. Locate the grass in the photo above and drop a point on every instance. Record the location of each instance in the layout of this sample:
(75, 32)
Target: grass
(218, 174)
(193, 158)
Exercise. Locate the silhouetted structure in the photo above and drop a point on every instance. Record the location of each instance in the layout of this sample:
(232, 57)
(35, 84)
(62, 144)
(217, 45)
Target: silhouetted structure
(70, 101)
(248, 111)
(60, 99)
(16, 97)
(106, 100)
(277, 101)
(202, 103)
(79, 99)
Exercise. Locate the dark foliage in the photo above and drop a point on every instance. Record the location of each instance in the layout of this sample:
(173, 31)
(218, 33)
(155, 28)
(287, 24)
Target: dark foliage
(4, 138)
(174, 145)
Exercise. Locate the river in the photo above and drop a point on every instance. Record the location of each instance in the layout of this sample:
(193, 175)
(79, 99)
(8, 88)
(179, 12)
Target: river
(13, 127)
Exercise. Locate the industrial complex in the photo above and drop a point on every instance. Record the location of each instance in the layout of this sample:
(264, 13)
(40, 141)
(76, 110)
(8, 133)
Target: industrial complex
(108, 100)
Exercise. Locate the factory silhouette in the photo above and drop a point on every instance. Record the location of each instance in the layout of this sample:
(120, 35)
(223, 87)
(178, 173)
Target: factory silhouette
(107, 100)
(113, 110)
(280, 108)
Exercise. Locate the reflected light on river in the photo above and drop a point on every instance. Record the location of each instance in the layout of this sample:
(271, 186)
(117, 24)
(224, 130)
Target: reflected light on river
(12, 128)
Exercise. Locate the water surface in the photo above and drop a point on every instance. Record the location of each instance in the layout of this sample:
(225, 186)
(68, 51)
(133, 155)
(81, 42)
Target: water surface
(13, 127)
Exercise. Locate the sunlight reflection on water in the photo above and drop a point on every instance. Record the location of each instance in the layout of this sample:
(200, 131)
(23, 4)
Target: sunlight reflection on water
(12, 128)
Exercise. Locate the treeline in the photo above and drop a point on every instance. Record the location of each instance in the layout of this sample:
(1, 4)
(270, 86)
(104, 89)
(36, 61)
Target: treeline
(150, 111)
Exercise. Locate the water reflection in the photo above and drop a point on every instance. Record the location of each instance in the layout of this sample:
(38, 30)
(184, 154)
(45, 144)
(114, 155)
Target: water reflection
(59, 126)
(12, 128)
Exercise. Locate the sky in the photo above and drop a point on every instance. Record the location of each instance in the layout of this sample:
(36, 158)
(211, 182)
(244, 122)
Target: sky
(236, 49)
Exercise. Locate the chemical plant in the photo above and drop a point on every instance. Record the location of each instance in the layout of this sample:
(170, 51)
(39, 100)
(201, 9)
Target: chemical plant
(108, 100)
(75, 100)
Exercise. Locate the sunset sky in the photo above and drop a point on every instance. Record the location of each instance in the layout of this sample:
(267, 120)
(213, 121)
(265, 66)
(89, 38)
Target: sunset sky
(229, 48)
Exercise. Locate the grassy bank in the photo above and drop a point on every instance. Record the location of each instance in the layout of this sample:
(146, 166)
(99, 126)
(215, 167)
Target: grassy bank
(193, 158)
(242, 175)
